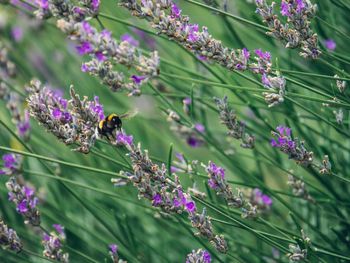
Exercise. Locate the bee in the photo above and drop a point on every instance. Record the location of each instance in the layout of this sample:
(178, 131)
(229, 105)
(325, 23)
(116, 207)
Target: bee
(107, 126)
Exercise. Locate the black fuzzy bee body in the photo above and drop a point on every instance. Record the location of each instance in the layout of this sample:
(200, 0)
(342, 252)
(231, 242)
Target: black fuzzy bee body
(107, 126)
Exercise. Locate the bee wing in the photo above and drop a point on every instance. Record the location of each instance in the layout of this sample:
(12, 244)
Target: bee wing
(129, 114)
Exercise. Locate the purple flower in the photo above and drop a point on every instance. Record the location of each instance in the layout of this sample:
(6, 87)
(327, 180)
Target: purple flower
(100, 57)
(22, 206)
(216, 170)
(191, 206)
(175, 10)
(95, 4)
(266, 200)
(17, 33)
(187, 101)
(43, 4)
(199, 127)
(129, 38)
(203, 58)
(85, 68)
(245, 53)
(300, 5)
(46, 237)
(177, 202)
(263, 55)
(23, 126)
(106, 35)
(113, 248)
(57, 113)
(330, 44)
(212, 184)
(138, 79)
(87, 28)
(285, 9)
(84, 48)
(29, 192)
(97, 108)
(206, 257)
(124, 139)
(9, 160)
(180, 157)
(157, 200)
(192, 33)
(265, 80)
(59, 228)
(193, 142)
(174, 169)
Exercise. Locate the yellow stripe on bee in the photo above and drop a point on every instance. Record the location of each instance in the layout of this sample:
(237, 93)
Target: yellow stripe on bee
(110, 117)
(100, 125)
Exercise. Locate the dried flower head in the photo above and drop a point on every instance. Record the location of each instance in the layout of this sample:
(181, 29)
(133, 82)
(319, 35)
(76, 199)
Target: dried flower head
(72, 121)
(113, 252)
(199, 256)
(9, 239)
(291, 146)
(25, 200)
(53, 245)
(326, 166)
(341, 84)
(153, 184)
(296, 32)
(166, 17)
(299, 188)
(236, 128)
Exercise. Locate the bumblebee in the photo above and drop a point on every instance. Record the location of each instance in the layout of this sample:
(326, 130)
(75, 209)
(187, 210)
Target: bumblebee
(113, 121)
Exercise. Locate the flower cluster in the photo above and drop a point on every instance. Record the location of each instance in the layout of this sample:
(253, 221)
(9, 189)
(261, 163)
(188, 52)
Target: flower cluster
(7, 67)
(183, 165)
(298, 252)
(63, 8)
(299, 188)
(153, 184)
(167, 19)
(72, 121)
(25, 200)
(291, 146)
(12, 164)
(14, 102)
(218, 183)
(113, 251)
(296, 32)
(104, 50)
(199, 256)
(236, 128)
(276, 86)
(53, 245)
(261, 201)
(9, 238)
(191, 135)
(341, 84)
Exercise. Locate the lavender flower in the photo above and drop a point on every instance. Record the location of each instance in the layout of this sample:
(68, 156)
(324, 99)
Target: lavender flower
(17, 33)
(297, 32)
(12, 164)
(218, 183)
(260, 201)
(341, 84)
(199, 256)
(53, 245)
(129, 38)
(330, 44)
(299, 188)
(7, 67)
(299, 251)
(191, 135)
(293, 147)
(113, 251)
(72, 121)
(326, 166)
(25, 200)
(152, 183)
(9, 239)
(166, 18)
(236, 128)
(148, 40)
(104, 50)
